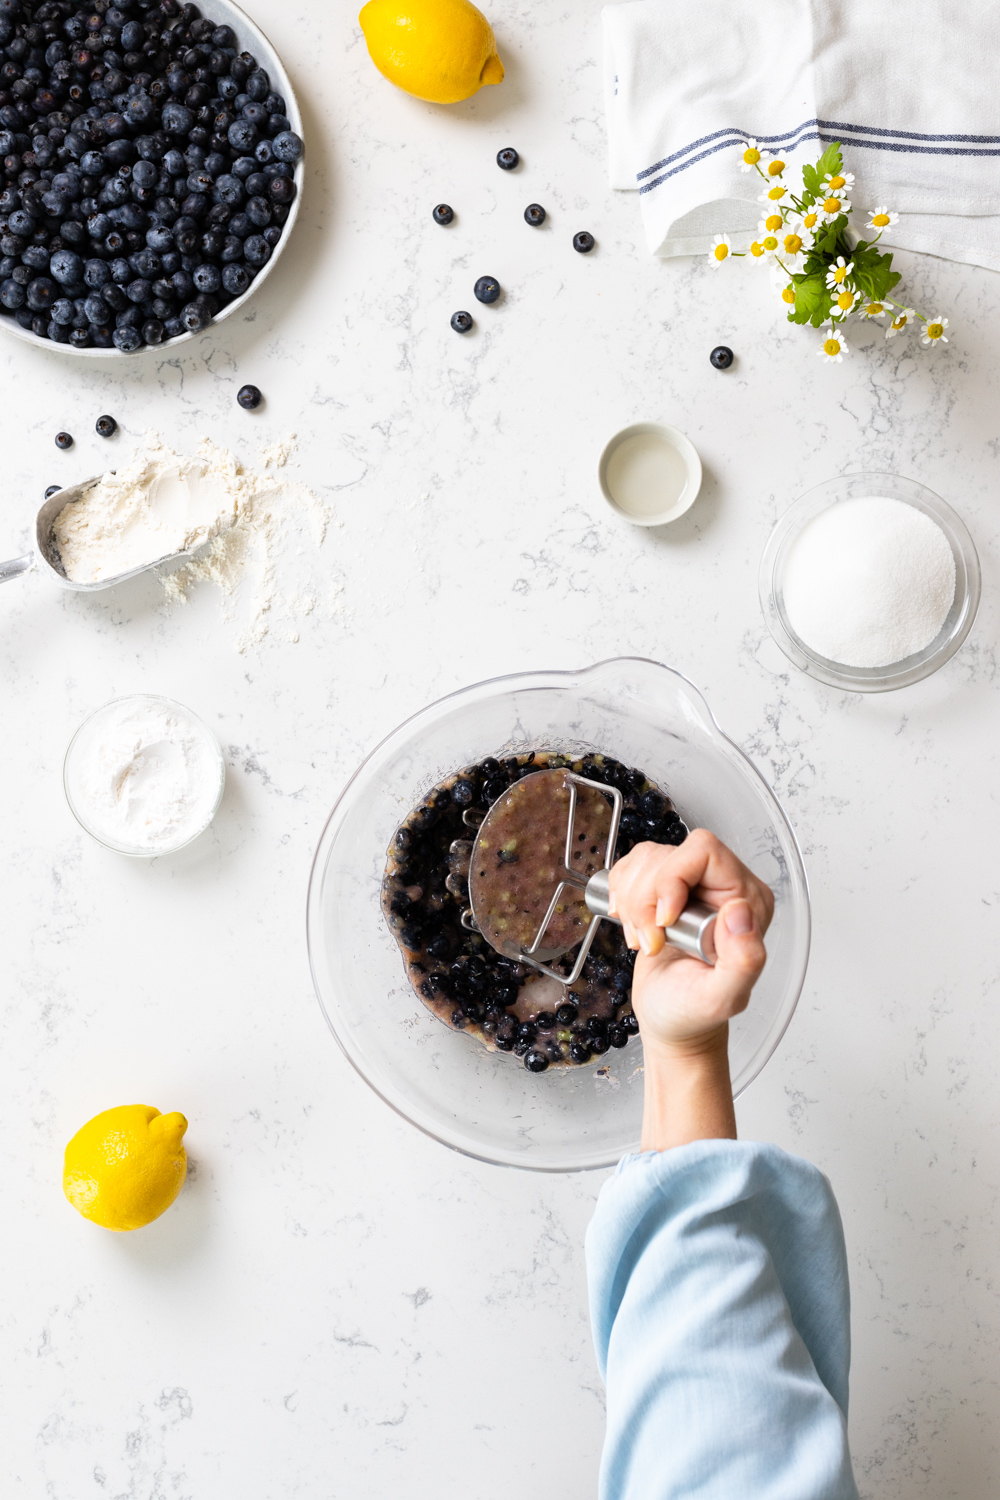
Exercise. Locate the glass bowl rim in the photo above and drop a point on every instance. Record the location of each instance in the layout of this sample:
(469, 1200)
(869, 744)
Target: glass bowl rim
(526, 677)
(792, 522)
(213, 740)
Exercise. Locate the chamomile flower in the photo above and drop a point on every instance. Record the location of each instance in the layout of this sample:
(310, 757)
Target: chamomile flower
(933, 331)
(792, 249)
(833, 348)
(881, 218)
(900, 322)
(751, 155)
(831, 206)
(872, 309)
(811, 222)
(776, 193)
(769, 244)
(774, 165)
(757, 251)
(839, 183)
(838, 275)
(720, 250)
(788, 292)
(843, 304)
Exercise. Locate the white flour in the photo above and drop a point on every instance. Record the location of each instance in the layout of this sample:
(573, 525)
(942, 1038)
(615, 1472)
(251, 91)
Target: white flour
(144, 775)
(869, 582)
(236, 519)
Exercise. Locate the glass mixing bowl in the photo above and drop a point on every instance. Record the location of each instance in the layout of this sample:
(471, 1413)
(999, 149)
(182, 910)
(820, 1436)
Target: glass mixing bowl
(487, 1104)
(958, 622)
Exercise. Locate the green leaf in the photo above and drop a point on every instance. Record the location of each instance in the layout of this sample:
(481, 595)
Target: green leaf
(810, 181)
(812, 301)
(831, 162)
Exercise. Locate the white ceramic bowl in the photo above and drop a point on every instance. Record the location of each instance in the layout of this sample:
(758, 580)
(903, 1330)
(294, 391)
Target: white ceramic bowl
(949, 638)
(249, 38)
(637, 461)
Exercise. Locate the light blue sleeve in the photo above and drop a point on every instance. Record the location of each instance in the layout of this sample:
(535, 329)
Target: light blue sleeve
(721, 1315)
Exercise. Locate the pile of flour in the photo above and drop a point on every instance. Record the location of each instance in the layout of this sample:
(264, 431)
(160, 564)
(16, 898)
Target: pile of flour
(235, 519)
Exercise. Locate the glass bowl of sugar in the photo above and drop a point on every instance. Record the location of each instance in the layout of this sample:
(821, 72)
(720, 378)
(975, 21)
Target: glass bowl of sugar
(869, 582)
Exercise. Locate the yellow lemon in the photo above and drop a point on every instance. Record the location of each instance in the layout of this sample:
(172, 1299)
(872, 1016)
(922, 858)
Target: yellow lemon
(441, 50)
(126, 1166)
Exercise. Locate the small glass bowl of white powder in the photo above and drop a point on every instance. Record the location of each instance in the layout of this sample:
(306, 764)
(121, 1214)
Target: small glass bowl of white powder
(870, 582)
(144, 776)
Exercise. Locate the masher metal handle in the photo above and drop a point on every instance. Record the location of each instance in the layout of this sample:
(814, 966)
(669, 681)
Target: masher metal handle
(693, 932)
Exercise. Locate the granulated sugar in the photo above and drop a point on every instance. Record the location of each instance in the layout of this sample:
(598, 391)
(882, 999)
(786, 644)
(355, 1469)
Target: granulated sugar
(869, 582)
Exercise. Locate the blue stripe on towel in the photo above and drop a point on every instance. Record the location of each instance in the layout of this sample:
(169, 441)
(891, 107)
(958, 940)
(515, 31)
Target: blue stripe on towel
(891, 140)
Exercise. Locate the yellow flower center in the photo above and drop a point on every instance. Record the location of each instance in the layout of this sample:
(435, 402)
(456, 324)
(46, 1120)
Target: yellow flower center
(874, 308)
(880, 220)
(775, 168)
(899, 322)
(769, 242)
(840, 273)
(832, 206)
(720, 252)
(935, 330)
(788, 295)
(831, 347)
(809, 220)
(838, 182)
(776, 192)
(793, 244)
(773, 221)
(757, 249)
(846, 301)
(751, 155)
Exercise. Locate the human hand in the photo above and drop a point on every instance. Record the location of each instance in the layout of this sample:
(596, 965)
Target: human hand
(682, 1004)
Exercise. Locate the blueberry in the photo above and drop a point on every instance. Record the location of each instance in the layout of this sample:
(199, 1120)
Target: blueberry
(256, 250)
(599, 1044)
(507, 159)
(721, 357)
(242, 136)
(444, 213)
(463, 793)
(630, 1023)
(584, 242)
(193, 317)
(63, 440)
(618, 1035)
(63, 312)
(653, 804)
(567, 1013)
(535, 1061)
(106, 426)
(249, 397)
(235, 278)
(622, 981)
(66, 267)
(534, 215)
(579, 1052)
(53, 489)
(545, 1020)
(287, 146)
(461, 322)
(494, 788)
(487, 289)
(12, 295)
(207, 278)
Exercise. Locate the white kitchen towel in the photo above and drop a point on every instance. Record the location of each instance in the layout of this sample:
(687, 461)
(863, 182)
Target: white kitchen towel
(908, 86)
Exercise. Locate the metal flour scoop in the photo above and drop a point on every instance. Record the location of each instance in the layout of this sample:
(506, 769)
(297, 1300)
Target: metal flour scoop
(538, 874)
(47, 552)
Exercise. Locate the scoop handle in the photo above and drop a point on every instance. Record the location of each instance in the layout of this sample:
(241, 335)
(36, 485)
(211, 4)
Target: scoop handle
(15, 566)
(693, 933)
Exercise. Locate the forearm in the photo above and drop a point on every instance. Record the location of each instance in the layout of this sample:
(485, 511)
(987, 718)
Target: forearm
(688, 1094)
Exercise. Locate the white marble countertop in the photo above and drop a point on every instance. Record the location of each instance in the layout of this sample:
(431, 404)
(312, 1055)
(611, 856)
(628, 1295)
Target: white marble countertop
(337, 1305)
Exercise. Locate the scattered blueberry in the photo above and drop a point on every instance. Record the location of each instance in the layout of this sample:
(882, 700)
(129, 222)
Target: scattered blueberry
(535, 1061)
(106, 426)
(584, 242)
(249, 397)
(461, 322)
(53, 489)
(579, 1052)
(443, 213)
(567, 1013)
(534, 215)
(618, 1035)
(487, 289)
(507, 158)
(63, 440)
(721, 357)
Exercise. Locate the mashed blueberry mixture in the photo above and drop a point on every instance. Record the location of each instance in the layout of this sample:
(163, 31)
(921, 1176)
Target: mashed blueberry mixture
(507, 1005)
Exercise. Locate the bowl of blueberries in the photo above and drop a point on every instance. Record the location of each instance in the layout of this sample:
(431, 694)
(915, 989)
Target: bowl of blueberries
(475, 1048)
(151, 160)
